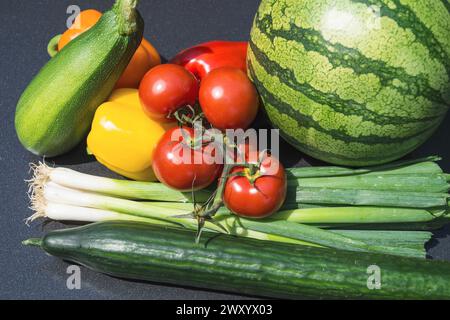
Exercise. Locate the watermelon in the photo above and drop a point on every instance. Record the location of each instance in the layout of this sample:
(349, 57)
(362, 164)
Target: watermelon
(353, 82)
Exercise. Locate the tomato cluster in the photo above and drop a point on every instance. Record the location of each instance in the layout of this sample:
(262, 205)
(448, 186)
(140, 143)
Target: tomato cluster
(227, 97)
(185, 162)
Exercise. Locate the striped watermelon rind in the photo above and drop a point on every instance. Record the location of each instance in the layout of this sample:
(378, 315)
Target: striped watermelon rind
(360, 97)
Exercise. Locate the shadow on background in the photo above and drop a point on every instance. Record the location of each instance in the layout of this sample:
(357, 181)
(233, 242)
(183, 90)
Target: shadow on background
(77, 156)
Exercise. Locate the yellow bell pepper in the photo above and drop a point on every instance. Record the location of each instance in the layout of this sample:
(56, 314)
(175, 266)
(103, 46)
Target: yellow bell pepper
(123, 137)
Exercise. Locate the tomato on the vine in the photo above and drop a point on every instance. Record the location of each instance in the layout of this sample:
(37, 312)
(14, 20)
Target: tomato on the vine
(256, 192)
(165, 89)
(229, 99)
(181, 164)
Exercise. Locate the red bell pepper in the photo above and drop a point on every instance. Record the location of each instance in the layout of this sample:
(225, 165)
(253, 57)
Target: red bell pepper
(205, 57)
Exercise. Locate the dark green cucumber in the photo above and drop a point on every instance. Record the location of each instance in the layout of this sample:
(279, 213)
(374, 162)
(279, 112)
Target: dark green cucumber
(55, 112)
(246, 266)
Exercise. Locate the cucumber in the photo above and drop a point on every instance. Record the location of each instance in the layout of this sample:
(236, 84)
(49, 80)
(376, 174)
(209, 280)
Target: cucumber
(144, 252)
(55, 111)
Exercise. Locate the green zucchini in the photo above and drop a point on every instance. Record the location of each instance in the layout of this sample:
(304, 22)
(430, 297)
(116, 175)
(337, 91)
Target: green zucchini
(55, 111)
(145, 252)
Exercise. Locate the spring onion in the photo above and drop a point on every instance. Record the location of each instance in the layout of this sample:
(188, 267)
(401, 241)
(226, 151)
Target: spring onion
(358, 197)
(62, 203)
(304, 205)
(322, 202)
(361, 215)
(411, 182)
(120, 188)
(419, 166)
(64, 212)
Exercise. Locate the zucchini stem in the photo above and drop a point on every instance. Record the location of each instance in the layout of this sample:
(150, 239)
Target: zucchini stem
(126, 16)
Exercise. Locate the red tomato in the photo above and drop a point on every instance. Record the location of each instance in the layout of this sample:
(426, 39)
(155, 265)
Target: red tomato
(229, 99)
(165, 89)
(175, 165)
(257, 194)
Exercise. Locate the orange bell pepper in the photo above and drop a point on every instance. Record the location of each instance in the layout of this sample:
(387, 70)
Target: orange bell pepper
(83, 22)
(145, 57)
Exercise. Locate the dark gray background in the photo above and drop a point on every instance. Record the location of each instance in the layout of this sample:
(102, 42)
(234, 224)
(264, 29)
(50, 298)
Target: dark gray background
(171, 25)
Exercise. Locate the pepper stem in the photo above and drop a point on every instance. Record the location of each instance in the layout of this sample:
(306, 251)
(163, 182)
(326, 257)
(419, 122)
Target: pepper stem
(52, 47)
